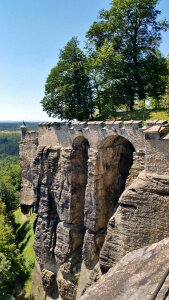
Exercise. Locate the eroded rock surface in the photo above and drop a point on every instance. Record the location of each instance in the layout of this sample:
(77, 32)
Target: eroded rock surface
(135, 277)
(141, 219)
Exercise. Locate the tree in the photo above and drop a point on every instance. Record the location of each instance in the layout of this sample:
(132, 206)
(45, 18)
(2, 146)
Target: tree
(11, 261)
(68, 93)
(131, 30)
(157, 77)
(165, 99)
(99, 63)
(10, 182)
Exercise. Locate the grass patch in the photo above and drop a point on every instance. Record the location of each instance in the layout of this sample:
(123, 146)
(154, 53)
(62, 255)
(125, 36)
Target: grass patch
(159, 115)
(143, 114)
(25, 240)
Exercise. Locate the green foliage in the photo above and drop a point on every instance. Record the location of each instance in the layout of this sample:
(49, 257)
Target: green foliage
(9, 143)
(124, 59)
(165, 99)
(10, 181)
(106, 93)
(157, 77)
(16, 234)
(140, 114)
(124, 64)
(11, 261)
(5, 277)
(68, 92)
(25, 240)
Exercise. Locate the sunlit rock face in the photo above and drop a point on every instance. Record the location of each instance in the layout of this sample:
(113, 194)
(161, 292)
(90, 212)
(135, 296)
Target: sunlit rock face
(136, 276)
(97, 195)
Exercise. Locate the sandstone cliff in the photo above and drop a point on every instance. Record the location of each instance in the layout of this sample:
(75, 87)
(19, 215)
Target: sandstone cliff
(100, 190)
(136, 276)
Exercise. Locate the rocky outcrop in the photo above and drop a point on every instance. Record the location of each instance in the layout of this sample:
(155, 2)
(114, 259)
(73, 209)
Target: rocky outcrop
(59, 234)
(142, 218)
(136, 276)
(28, 148)
(97, 197)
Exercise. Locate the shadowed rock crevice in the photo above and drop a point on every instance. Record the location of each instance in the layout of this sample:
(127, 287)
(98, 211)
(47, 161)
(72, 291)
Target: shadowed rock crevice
(79, 176)
(108, 173)
(128, 206)
(114, 160)
(70, 232)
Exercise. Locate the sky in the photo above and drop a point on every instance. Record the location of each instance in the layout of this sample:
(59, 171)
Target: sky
(31, 34)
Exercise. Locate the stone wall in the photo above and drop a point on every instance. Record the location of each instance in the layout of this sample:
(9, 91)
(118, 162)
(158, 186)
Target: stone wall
(100, 190)
(28, 152)
(157, 150)
(63, 134)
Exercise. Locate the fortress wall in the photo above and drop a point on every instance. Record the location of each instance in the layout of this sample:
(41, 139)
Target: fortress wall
(28, 152)
(55, 134)
(157, 150)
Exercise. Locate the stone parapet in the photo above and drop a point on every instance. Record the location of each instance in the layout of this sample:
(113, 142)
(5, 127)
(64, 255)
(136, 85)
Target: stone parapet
(64, 133)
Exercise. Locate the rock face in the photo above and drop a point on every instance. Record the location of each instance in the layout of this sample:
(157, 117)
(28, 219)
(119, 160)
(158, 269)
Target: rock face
(142, 218)
(100, 190)
(136, 276)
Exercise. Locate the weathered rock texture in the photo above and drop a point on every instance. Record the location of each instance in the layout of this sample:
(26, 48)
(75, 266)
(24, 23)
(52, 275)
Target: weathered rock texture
(100, 190)
(142, 218)
(135, 277)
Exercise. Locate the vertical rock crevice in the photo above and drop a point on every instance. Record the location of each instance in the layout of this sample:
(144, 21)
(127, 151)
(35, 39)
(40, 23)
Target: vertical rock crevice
(70, 232)
(79, 177)
(45, 168)
(110, 170)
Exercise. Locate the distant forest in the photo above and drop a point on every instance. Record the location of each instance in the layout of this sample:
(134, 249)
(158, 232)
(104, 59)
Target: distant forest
(9, 143)
(15, 126)
(10, 136)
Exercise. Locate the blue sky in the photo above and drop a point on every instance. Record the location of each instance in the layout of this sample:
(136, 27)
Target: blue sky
(31, 34)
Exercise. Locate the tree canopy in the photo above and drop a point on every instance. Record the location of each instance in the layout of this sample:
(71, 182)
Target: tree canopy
(125, 43)
(10, 181)
(68, 93)
(123, 64)
(12, 264)
(10, 259)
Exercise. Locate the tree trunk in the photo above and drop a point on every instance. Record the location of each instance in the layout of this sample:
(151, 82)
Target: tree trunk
(99, 108)
(131, 104)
